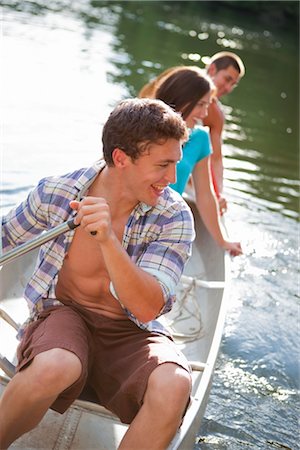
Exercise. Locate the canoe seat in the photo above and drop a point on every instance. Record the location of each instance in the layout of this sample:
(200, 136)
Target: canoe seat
(197, 366)
(7, 367)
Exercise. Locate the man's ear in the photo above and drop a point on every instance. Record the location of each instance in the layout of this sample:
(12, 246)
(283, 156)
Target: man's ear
(212, 70)
(119, 158)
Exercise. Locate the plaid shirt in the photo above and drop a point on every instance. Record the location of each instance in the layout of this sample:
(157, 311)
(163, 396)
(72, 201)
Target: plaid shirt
(158, 239)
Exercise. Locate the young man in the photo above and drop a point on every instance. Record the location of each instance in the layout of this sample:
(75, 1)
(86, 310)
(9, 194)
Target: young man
(97, 290)
(226, 69)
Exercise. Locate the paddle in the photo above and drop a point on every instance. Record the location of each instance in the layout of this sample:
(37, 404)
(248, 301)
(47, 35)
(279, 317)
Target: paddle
(36, 242)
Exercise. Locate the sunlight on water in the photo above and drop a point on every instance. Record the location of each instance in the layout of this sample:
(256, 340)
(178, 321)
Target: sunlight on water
(244, 381)
(60, 113)
(244, 177)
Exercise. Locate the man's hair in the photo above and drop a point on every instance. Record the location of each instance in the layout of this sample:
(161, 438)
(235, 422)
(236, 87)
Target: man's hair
(135, 124)
(183, 87)
(223, 60)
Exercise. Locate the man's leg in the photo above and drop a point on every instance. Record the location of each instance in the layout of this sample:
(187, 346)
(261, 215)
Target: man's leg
(33, 390)
(159, 418)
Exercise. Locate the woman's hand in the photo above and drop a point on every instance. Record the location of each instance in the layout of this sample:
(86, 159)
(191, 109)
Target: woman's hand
(234, 248)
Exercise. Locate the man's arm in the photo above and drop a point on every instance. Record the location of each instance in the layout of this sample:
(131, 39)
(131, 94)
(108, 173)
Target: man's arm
(215, 122)
(137, 289)
(25, 221)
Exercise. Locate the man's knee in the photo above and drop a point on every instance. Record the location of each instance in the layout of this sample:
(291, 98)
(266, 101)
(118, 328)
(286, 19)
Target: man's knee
(55, 369)
(169, 386)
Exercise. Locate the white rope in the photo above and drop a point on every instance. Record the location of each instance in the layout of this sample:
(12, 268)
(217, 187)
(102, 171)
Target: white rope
(187, 310)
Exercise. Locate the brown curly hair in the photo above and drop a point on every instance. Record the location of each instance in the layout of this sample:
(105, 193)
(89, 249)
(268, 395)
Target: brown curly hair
(136, 123)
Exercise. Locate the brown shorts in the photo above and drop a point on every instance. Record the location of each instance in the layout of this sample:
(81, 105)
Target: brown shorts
(117, 356)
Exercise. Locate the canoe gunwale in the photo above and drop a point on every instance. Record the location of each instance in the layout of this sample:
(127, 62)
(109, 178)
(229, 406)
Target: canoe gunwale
(195, 412)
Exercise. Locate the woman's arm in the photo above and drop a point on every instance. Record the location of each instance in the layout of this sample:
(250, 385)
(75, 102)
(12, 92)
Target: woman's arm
(208, 207)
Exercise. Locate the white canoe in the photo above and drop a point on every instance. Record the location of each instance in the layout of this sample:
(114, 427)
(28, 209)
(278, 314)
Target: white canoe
(196, 323)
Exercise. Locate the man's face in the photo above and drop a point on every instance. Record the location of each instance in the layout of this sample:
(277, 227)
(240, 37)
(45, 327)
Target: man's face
(148, 176)
(225, 80)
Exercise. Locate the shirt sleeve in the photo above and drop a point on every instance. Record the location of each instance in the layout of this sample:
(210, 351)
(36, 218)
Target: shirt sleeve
(165, 257)
(25, 221)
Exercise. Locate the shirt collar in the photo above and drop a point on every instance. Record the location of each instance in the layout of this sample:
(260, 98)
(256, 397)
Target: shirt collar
(88, 176)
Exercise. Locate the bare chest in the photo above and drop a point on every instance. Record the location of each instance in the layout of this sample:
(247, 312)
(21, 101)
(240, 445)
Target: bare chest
(84, 276)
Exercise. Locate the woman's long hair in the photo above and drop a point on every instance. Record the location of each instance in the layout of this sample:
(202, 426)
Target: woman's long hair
(180, 87)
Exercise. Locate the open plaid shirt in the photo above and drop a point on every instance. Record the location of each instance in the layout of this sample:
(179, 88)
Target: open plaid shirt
(158, 239)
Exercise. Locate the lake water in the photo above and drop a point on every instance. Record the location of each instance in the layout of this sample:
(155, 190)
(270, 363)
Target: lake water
(65, 64)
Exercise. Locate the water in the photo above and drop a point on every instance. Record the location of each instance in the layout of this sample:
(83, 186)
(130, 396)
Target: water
(64, 66)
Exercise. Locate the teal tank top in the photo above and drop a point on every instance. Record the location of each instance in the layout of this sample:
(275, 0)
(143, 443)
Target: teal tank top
(194, 150)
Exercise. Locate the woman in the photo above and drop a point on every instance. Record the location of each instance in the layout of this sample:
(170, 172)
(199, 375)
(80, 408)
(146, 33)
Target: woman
(189, 90)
